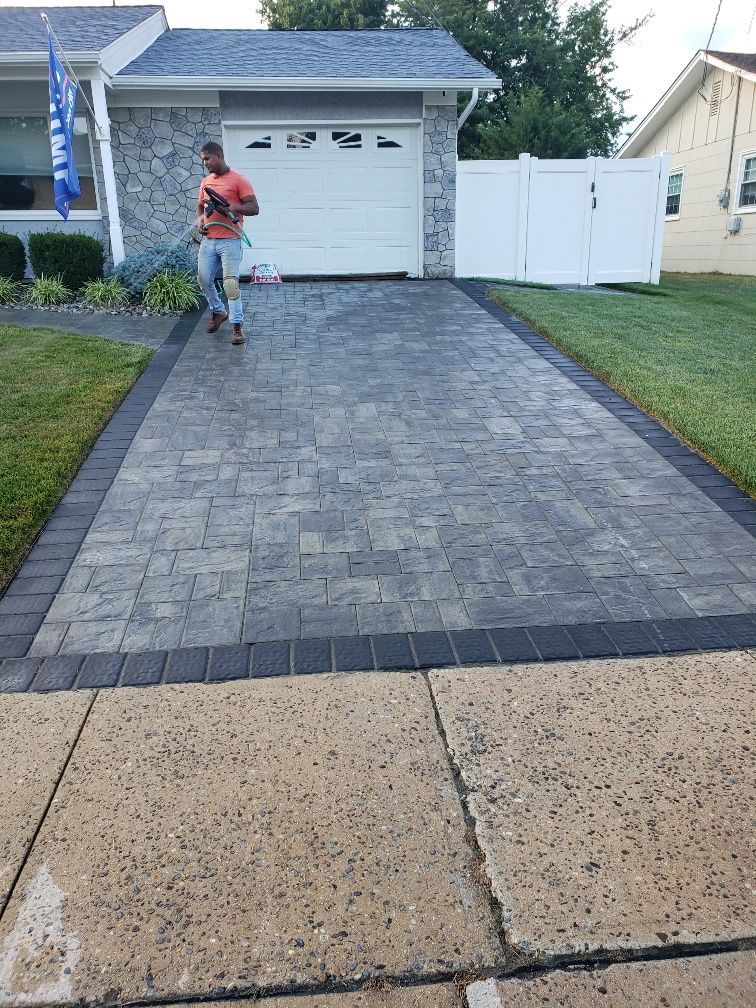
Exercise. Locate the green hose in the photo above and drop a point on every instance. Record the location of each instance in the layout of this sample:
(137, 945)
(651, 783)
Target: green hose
(239, 232)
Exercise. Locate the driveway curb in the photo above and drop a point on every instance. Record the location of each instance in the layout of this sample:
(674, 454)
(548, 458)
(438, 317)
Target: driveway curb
(380, 653)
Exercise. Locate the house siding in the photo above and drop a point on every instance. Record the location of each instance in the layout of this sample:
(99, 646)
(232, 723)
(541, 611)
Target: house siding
(261, 106)
(700, 145)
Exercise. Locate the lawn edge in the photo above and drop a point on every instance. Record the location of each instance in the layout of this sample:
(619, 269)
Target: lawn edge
(65, 487)
(625, 393)
(113, 441)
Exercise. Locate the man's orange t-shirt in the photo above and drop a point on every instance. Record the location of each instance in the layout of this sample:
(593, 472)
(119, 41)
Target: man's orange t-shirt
(235, 188)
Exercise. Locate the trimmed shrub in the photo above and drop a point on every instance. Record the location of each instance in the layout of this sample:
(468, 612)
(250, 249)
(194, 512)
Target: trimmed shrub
(10, 290)
(12, 256)
(46, 292)
(169, 291)
(108, 293)
(76, 258)
(136, 271)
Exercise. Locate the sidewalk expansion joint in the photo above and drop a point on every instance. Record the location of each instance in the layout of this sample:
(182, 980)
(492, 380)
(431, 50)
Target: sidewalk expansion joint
(48, 806)
(386, 984)
(603, 958)
(480, 875)
(709, 480)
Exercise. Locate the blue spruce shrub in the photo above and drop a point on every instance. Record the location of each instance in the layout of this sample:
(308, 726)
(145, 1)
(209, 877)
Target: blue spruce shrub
(136, 271)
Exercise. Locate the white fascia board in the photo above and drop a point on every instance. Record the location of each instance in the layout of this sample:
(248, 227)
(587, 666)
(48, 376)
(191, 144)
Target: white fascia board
(22, 60)
(301, 83)
(133, 43)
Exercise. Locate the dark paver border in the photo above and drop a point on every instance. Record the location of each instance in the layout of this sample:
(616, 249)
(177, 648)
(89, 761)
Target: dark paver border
(701, 473)
(380, 653)
(35, 584)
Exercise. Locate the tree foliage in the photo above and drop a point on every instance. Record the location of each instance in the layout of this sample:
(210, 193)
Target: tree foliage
(321, 14)
(557, 99)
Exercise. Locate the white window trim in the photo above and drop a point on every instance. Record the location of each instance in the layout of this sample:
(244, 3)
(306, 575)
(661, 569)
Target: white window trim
(675, 171)
(751, 208)
(53, 215)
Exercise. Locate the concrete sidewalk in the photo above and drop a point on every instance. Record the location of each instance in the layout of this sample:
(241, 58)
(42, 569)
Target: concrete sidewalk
(384, 839)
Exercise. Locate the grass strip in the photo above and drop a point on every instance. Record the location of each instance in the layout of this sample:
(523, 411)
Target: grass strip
(58, 391)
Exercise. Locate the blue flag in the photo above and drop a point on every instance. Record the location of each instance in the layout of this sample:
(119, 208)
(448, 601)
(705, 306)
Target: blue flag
(62, 112)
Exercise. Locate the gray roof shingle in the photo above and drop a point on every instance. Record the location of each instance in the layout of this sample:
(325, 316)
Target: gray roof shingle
(744, 61)
(409, 53)
(80, 29)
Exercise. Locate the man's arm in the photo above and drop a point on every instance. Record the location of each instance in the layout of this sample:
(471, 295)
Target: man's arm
(249, 207)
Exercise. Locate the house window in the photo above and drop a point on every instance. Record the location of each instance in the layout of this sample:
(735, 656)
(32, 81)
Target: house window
(383, 142)
(26, 177)
(747, 182)
(674, 191)
(345, 139)
(302, 140)
(262, 143)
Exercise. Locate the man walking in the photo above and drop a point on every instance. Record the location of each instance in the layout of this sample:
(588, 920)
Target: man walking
(219, 245)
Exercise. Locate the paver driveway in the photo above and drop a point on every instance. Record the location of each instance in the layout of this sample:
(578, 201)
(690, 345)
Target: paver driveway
(383, 458)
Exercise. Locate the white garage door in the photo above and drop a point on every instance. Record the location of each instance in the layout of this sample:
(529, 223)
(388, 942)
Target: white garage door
(334, 199)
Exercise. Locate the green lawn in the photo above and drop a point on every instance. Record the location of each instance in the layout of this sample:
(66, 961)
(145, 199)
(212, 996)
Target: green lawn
(58, 392)
(687, 355)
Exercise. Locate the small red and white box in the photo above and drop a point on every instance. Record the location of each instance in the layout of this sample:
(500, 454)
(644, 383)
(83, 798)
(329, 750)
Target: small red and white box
(265, 273)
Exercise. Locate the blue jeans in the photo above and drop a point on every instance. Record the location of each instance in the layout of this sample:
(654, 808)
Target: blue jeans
(225, 252)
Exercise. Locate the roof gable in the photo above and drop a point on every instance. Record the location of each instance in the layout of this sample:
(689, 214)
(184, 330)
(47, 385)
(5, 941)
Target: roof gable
(398, 53)
(80, 29)
(743, 64)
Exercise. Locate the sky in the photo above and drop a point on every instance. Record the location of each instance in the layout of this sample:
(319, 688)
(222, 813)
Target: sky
(645, 67)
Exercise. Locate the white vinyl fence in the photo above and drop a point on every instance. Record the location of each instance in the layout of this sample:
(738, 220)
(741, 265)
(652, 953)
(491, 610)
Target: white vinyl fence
(587, 221)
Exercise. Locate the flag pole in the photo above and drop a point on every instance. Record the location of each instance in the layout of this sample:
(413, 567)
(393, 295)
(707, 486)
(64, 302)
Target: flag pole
(100, 131)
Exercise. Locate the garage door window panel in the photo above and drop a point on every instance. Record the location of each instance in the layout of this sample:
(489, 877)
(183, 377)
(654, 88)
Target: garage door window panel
(262, 143)
(387, 142)
(302, 140)
(346, 140)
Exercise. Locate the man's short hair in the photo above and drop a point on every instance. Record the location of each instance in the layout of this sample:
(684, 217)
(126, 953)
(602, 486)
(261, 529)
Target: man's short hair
(211, 147)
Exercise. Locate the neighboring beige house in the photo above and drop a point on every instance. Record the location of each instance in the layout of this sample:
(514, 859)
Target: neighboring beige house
(707, 121)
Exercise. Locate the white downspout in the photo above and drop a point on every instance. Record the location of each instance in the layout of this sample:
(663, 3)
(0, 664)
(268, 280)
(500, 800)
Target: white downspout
(102, 132)
(466, 114)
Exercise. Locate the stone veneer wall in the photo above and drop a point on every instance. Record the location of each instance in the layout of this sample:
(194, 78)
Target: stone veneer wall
(158, 170)
(440, 188)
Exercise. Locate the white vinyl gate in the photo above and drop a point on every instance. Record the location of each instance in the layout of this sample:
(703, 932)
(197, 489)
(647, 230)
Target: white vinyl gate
(586, 221)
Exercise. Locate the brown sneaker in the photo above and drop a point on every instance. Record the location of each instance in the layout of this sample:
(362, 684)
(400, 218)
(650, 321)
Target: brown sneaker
(215, 322)
(238, 334)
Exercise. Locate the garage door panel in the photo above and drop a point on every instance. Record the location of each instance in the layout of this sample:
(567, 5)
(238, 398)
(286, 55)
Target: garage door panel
(391, 219)
(343, 259)
(304, 259)
(327, 209)
(390, 180)
(346, 219)
(298, 182)
(386, 257)
(297, 222)
(265, 181)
